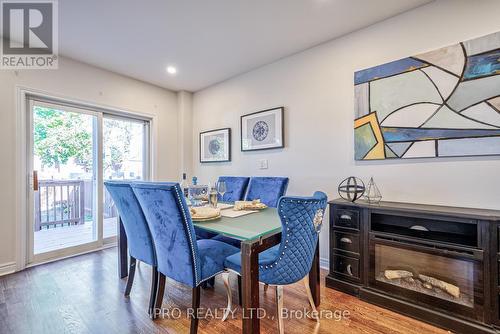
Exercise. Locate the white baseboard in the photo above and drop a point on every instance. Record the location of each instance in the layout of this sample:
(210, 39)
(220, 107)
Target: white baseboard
(324, 263)
(7, 268)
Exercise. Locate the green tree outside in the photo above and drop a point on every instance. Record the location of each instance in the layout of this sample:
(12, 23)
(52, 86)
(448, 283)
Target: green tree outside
(60, 136)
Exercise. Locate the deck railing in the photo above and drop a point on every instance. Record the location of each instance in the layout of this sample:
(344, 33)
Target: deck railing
(59, 202)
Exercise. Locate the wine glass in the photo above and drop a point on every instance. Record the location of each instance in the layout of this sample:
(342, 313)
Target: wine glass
(221, 189)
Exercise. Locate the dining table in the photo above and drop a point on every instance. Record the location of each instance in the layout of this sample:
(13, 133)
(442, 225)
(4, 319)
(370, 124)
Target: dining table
(257, 232)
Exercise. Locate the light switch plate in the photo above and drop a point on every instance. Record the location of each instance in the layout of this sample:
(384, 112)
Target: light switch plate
(263, 164)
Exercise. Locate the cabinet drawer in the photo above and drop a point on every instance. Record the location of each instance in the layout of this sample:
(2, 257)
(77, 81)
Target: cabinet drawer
(346, 266)
(348, 242)
(346, 218)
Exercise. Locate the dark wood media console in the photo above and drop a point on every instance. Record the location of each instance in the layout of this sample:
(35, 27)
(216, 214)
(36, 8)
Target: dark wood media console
(434, 263)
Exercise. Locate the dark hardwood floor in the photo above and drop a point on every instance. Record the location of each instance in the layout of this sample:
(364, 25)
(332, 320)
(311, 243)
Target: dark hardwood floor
(84, 295)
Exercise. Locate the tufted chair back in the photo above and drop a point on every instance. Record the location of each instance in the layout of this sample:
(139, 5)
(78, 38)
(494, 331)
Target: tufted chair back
(301, 219)
(140, 242)
(267, 189)
(173, 234)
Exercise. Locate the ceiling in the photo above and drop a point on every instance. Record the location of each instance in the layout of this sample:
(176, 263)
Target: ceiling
(208, 41)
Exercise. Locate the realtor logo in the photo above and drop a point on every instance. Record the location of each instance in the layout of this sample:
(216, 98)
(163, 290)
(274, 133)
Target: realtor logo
(29, 30)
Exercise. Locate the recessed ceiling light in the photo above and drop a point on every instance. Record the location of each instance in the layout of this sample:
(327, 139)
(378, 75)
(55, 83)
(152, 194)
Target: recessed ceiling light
(171, 70)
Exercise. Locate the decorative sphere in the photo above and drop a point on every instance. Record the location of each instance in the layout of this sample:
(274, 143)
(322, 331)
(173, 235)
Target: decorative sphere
(351, 189)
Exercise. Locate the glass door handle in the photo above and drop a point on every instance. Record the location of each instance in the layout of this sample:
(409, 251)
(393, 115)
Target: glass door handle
(35, 180)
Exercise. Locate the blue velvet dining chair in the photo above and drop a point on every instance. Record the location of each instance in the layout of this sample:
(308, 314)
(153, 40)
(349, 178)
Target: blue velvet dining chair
(179, 255)
(267, 189)
(140, 242)
(236, 187)
(291, 260)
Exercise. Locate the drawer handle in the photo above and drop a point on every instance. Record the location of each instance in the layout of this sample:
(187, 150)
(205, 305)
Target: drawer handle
(346, 240)
(349, 270)
(346, 217)
(419, 228)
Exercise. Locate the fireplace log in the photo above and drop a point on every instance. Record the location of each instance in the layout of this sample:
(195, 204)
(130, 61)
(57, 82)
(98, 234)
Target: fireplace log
(394, 274)
(428, 285)
(449, 288)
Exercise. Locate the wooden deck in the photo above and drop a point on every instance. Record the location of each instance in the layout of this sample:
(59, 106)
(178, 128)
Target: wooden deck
(55, 238)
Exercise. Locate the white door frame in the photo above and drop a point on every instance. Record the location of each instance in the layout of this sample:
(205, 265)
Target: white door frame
(24, 181)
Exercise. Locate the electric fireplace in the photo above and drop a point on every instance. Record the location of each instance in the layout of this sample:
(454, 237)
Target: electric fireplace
(437, 264)
(431, 263)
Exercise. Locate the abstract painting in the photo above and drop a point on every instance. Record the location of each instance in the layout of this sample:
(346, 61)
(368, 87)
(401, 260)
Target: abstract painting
(262, 130)
(215, 145)
(443, 103)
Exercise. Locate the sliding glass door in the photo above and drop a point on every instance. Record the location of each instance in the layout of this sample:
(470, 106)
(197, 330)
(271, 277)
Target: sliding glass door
(63, 163)
(72, 150)
(125, 158)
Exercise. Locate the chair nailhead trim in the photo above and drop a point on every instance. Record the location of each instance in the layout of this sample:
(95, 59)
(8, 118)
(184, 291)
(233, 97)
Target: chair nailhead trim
(197, 281)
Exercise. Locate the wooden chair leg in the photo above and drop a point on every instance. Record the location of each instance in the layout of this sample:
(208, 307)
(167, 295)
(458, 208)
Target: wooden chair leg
(208, 283)
(131, 274)
(196, 306)
(160, 290)
(240, 296)
(279, 308)
(211, 282)
(154, 289)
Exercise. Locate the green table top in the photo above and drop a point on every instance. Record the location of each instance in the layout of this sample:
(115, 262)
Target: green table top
(247, 227)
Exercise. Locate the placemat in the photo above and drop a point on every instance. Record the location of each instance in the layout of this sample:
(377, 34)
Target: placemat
(230, 213)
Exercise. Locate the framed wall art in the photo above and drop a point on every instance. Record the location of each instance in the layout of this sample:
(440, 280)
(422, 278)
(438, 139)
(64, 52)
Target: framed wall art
(262, 130)
(215, 145)
(442, 103)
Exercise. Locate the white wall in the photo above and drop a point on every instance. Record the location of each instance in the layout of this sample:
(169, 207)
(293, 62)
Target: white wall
(316, 89)
(185, 128)
(82, 82)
